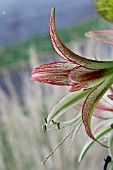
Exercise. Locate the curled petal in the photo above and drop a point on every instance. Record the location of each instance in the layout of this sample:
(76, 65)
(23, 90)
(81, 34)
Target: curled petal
(76, 87)
(105, 36)
(91, 102)
(53, 73)
(87, 78)
(111, 96)
(67, 54)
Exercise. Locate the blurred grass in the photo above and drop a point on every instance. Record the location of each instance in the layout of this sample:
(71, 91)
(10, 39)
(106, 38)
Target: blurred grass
(6, 150)
(15, 53)
(23, 144)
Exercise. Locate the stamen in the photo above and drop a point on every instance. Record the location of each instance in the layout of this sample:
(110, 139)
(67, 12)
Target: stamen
(44, 127)
(56, 123)
(45, 119)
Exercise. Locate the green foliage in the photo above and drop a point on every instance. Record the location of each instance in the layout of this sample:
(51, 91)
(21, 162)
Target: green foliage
(105, 8)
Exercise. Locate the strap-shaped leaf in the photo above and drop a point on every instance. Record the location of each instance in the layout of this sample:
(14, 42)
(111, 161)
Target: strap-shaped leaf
(67, 54)
(67, 102)
(90, 142)
(91, 102)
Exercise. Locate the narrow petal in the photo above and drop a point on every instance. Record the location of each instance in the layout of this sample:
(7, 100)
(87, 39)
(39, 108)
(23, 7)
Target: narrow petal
(76, 119)
(91, 102)
(102, 114)
(53, 73)
(111, 144)
(90, 142)
(67, 54)
(69, 101)
(104, 110)
(105, 36)
(104, 105)
(87, 78)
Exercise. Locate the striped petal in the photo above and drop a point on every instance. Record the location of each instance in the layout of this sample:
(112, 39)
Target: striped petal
(87, 78)
(91, 102)
(53, 73)
(67, 54)
(105, 36)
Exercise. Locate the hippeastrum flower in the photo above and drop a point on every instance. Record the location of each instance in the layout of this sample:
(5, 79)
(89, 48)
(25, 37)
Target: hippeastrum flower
(89, 80)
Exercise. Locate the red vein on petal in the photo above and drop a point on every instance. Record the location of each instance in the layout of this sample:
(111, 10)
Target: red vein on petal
(91, 102)
(67, 54)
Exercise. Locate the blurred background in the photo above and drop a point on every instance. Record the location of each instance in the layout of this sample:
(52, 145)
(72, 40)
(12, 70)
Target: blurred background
(24, 45)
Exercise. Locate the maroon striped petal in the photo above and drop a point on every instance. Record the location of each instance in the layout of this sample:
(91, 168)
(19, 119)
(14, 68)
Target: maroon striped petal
(67, 54)
(91, 102)
(87, 78)
(53, 73)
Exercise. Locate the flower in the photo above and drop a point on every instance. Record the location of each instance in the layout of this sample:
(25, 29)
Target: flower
(89, 80)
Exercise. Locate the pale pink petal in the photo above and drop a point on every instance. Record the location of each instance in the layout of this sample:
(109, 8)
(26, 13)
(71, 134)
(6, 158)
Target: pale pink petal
(105, 36)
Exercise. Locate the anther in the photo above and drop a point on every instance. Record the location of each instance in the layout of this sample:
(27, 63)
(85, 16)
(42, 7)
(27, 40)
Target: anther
(45, 119)
(56, 123)
(44, 128)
